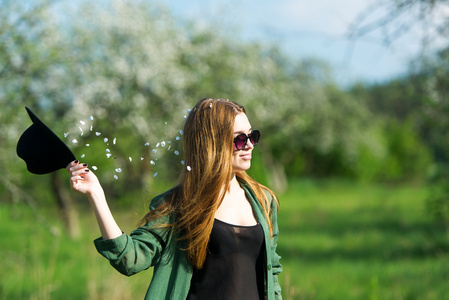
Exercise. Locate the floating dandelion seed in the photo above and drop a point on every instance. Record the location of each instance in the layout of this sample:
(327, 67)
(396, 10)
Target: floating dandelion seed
(178, 138)
(130, 159)
(154, 150)
(152, 162)
(147, 144)
(82, 132)
(118, 170)
(108, 151)
(163, 144)
(83, 155)
(115, 177)
(108, 155)
(158, 144)
(74, 141)
(141, 158)
(188, 111)
(155, 174)
(91, 118)
(82, 122)
(169, 147)
(94, 168)
(189, 168)
(181, 132)
(165, 123)
(97, 133)
(176, 152)
(105, 140)
(114, 141)
(66, 134)
(87, 145)
(91, 128)
(185, 116)
(182, 162)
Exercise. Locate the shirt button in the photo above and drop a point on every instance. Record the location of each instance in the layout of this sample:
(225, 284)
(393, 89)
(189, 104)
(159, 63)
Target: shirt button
(269, 267)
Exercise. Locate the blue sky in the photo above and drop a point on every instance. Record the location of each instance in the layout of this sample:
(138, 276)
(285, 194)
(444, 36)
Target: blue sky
(308, 29)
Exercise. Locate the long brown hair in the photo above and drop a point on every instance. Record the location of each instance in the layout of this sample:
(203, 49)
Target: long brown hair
(208, 139)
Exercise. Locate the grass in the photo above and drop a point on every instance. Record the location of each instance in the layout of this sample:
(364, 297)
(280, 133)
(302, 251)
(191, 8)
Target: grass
(39, 265)
(354, 241)
(338, 240)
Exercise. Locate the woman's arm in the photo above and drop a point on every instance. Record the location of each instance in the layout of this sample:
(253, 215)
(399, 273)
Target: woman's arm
(84, 181)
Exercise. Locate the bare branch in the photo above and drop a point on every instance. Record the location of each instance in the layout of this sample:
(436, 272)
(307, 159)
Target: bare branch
(394, 19)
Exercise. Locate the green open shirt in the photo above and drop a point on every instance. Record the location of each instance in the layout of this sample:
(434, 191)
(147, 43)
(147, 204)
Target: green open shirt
(147, 246)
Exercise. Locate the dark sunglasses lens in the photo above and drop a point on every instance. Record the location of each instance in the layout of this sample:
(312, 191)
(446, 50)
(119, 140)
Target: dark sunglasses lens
(255, 135)
(240, 141)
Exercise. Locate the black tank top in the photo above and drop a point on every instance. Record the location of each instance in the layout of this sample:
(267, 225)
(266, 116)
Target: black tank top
(234, 264)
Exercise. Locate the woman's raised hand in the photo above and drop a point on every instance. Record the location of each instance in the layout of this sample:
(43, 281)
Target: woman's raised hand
(83, 180)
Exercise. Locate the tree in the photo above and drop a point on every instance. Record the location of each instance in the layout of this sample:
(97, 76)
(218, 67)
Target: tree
(136, 70)
(427, 84)
(30, 60)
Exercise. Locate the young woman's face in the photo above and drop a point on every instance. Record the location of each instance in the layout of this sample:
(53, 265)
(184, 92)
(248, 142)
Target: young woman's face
(241, 159)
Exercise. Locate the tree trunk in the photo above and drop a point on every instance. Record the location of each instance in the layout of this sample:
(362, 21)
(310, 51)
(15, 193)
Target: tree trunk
(66, 207)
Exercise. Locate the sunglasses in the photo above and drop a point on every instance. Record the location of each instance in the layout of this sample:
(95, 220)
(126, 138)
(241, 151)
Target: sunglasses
(241, 140)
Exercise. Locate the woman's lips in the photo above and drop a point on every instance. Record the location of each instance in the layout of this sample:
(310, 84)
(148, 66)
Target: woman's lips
(246, 156)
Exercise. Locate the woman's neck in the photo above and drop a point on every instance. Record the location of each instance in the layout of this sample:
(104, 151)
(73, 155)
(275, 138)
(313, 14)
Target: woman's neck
(233, 184)
(235, 207)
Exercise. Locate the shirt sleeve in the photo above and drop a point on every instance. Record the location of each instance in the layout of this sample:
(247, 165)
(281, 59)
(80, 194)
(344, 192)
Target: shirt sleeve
(143, 248)
(276, 266)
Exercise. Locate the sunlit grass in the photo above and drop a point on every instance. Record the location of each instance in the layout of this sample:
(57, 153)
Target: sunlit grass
(338, 240)
(358, 241)
(39, 265)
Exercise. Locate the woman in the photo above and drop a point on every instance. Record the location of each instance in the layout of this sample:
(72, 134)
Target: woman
(214, 235)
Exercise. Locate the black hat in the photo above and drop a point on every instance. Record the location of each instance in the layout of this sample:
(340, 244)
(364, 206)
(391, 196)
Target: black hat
(41, 149)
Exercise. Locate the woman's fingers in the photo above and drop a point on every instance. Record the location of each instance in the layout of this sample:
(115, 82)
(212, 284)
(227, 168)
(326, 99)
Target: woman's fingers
(81, 178)
(77, 167)
(71, 164)
(78, 173)
(79, 170)
(75, 179)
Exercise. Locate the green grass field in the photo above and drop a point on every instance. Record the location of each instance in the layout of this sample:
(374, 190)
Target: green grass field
(341, 240)
(338, 240)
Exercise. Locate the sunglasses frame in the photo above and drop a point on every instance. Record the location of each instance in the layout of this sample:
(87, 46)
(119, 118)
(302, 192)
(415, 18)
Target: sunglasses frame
(247, 137)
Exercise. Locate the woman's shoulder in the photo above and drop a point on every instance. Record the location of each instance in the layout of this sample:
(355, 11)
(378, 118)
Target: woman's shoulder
(161, 198)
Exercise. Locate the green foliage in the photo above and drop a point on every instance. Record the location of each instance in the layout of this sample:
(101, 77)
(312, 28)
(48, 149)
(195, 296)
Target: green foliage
(414, 110)
(118, 64)
(438, 200)
(137, 69)
(409, 157)
(405, 157)
(419, 99)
